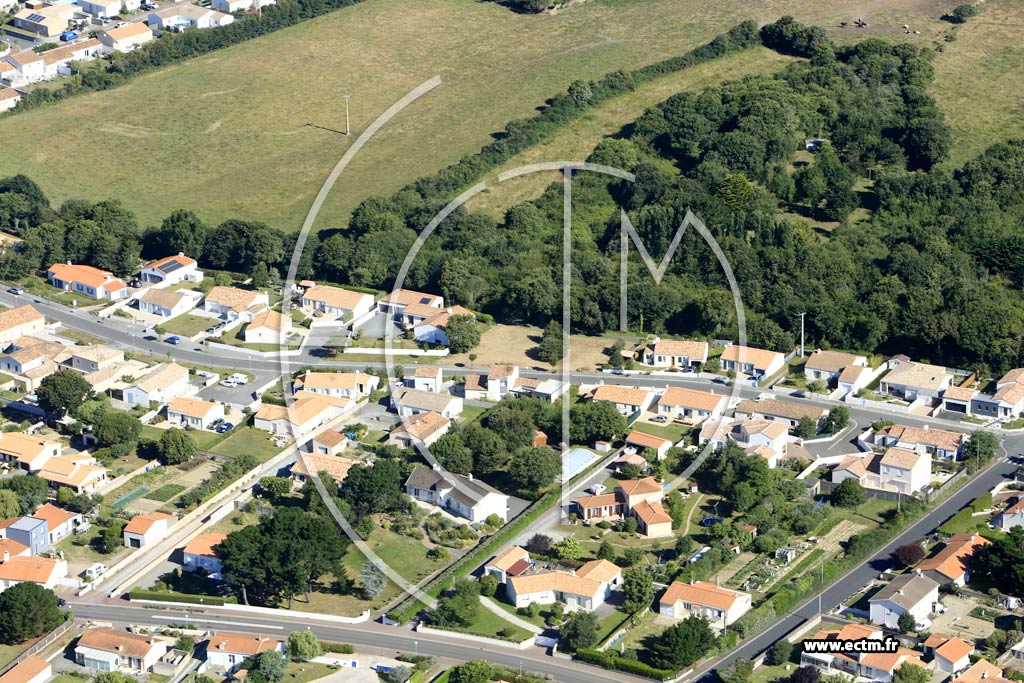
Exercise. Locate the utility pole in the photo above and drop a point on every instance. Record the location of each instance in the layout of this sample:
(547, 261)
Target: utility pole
(802, 334)
(348, 130)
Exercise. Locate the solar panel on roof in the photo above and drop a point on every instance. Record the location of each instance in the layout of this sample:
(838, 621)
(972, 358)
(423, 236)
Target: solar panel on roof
(36, 17)
(170, 267)
(425, 300)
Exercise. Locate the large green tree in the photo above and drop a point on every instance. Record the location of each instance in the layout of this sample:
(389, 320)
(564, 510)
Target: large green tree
(176, 446)
(28, 610)
(463, 332)
(578, 631)
(532, 469)
(682, 644)
(63, 392)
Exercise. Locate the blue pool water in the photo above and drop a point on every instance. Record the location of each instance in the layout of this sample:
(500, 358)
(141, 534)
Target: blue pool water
(574, 461)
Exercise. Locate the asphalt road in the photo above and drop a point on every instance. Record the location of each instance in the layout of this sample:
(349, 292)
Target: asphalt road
(848, 585)
(400, 639)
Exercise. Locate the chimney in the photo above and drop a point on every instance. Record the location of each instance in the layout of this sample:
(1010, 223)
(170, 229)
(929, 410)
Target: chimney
(984, 674)
(119, 647)
(7, 556)
(899, 592)
(470, 477)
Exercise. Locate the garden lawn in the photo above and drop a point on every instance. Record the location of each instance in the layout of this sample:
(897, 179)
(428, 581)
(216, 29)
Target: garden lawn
(187, 325)
(243, 440)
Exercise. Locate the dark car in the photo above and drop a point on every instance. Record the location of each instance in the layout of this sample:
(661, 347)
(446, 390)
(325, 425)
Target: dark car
(173, 339)
(16, 291)
(225, 427)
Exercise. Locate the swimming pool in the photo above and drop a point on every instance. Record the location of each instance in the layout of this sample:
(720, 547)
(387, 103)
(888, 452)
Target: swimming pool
(574, 461)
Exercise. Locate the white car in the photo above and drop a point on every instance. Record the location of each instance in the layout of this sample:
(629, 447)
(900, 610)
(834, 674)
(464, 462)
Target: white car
(239, 378)
(230, 383)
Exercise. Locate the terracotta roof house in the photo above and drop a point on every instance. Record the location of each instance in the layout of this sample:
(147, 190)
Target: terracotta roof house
(602, 507)
(952, 562)
(268, 327)
(336, 467)
(108, 649)
(625, 399)
(750, 361)
(32, 669)
(232, 303)
(788, 412)
(307, 414)
(87, 281)
(690, 405)
(18, 322)
(226, 651)
(163, 383)
(512, 561)
(329, 442)
(335, 302)
(166, 303)
(142, 530)
(720, 606)
(10, 548)
(940, 443)
(200, 555)
(169, 269)
(1012, 516)
(126, 39)
(434, 329)
(586, 588)
(59, 522)
(425, 427)
(194, 413)
(951, 654)
(652, 519)
(80, 473)
(639, 442)
(353, 385)
(670, 353)
(27, 452)
(426, 378)
(409, 307)
(46, 571)
(827, 366)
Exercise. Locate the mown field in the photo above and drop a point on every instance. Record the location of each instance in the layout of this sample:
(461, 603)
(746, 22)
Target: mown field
(227, 134)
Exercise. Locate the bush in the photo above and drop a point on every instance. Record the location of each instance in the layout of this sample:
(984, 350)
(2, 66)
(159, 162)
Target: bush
(337, 648)
(142, 594)
(614, 662)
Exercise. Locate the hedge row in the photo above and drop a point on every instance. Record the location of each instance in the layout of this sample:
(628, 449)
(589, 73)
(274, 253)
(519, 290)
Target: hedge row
(142, 594)
(337, 648)
(609, 660)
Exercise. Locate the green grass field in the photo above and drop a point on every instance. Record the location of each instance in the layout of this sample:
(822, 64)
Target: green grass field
(165, 492)
(187, 325)
(226, 134)
(247, 440)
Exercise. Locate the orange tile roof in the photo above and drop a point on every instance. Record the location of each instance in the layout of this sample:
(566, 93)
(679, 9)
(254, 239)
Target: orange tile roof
(651, 513)
(599, 570)
(645, 485)
(939, 438)
(694, 350)
(32, 569)
(242, 643)
(959, 393)
(330, 438)
(62, 54)
(192, 407)
(141, 524)
(336, 297)
(890, 661)
(272, 320)
(405, 297)
(617, 394)
(16, 317)
(561, 581)
(331, 380)
(831, 361)
(700, 593)
(204, 544)
(647, 440)
(691, 398)
(86, 275)
(981, 669)
(25, 670)
(423, 425)
(234, 298)
(440, 319)
(121, 642)
(24, 447)
(126, 32)
(508, 557)
(900, 457)
(12, 547)
(75, 470)
(951, 561)
(759, 358)
(600, 500)
(954, 649)
(53, 515)
(333, 465)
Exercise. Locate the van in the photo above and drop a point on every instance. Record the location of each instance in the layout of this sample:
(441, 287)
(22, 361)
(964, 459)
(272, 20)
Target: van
(95, 571)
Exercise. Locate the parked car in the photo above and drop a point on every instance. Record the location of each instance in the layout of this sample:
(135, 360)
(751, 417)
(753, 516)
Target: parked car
(68, 35)
(229, 383)
(173, 339)
(239, 378)
(659, 418)
(225, 427)
(16, 291)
